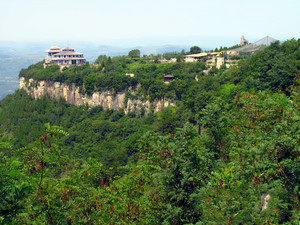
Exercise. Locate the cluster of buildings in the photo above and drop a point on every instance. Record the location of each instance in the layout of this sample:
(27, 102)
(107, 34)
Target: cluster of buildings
(217, 58)
(63, 57)
(68, 56)
(211, 58)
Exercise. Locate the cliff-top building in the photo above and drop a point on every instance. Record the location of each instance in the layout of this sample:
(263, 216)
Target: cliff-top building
(64, 57)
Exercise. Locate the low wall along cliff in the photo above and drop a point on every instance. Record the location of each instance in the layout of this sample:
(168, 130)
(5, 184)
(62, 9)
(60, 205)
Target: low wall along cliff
(108, 100)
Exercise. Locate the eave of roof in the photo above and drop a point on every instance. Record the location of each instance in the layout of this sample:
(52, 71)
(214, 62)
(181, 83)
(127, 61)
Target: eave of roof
(68, 53)
(58, 59)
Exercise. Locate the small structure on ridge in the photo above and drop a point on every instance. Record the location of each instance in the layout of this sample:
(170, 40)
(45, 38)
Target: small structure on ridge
(243, 41)
(168, 78)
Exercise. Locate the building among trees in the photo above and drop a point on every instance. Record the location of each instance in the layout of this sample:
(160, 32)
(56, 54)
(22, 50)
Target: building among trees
(197, 57)
(168, 78)
(65, 57)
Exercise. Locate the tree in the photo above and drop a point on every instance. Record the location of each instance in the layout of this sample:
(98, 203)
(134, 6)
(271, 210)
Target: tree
(195, 49)
(135, 53)
(101, 59)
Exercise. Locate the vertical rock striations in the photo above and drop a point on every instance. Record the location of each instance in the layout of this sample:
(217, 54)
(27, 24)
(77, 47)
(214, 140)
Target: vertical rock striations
(108, 100)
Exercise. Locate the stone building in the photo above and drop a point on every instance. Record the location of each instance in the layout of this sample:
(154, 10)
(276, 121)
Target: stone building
(243, 41)
(220, 62)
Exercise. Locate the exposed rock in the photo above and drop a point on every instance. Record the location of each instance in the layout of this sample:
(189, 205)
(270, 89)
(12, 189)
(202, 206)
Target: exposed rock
(264, 198)
(106, 99)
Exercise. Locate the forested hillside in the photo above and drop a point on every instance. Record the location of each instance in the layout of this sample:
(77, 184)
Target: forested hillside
(228, 153)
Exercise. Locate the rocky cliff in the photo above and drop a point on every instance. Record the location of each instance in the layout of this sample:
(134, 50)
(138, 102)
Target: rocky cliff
(106, 99)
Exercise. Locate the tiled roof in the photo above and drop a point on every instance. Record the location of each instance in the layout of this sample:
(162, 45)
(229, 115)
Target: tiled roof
(55, 48)
(169, 76)
(68, 49)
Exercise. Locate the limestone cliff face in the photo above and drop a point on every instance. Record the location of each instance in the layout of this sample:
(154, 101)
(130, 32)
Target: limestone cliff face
(106, 99)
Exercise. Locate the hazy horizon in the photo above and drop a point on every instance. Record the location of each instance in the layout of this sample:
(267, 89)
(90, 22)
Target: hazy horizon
(205, 43)
(131, 23)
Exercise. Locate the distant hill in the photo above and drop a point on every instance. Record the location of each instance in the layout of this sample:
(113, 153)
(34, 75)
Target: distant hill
(92, 54)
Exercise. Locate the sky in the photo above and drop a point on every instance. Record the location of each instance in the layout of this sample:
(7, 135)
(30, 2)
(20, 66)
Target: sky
(149, 22)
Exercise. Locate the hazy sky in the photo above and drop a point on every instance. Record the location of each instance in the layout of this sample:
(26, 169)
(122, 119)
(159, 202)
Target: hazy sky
(148, 22)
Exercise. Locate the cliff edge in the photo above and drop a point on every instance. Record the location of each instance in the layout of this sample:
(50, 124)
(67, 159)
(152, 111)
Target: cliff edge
(106, 99)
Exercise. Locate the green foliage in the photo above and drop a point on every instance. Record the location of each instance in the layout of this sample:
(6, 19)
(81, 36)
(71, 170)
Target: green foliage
(109, 135)
(135, 53)
(273, 68)
(235, 57)
(13, 189)
(101, 60)
(267, 124)
(195, 49)
(110, 75)
(227, 48)
(112, 168)
(169, 55)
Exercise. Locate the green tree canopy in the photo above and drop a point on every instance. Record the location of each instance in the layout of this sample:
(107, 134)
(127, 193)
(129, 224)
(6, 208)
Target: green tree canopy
(195, 49)
(135, 53)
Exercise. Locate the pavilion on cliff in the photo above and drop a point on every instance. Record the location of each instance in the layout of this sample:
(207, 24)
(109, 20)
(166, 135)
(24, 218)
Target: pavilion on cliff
(63, 57)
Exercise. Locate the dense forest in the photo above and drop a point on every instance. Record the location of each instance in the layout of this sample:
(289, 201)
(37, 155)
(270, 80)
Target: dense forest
(228, 153)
